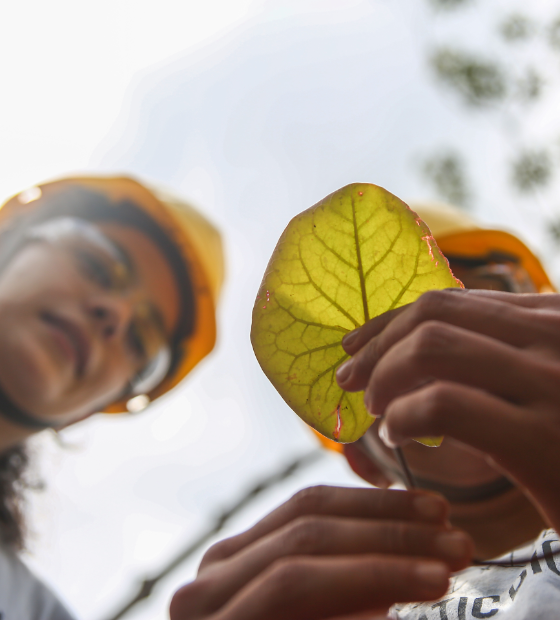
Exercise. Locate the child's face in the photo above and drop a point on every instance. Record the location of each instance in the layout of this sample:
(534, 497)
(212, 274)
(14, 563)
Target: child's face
(79, 322)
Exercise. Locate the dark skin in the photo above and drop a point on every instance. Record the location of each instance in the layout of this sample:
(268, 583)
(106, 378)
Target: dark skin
(497, 523)
(375, 546)
(490, 358)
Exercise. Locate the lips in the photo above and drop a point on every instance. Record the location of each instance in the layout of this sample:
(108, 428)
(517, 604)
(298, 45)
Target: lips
(75, 340)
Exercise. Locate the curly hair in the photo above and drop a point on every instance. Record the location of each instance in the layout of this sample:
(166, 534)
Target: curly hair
(13, 484)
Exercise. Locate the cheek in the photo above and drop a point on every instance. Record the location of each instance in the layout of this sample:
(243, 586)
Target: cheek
(106, 384)
(110, 380)
(39, 273)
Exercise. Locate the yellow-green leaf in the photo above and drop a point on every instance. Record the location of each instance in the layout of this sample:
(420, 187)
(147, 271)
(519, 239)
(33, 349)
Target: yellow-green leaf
(356, 254)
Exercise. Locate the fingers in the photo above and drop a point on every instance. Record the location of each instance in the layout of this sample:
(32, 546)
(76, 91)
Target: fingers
(364, 466)
(329, 536)
(308, 588)
(512, 435)
(356, 339)
(526, 300)
(330, 522)
(246, 576)
(489, 315)
(436, 351)
(336, 502)
(353, 341)
(334, 536)
(458, 411)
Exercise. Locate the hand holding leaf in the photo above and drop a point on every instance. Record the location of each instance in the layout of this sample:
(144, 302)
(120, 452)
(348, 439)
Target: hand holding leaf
(356, 254)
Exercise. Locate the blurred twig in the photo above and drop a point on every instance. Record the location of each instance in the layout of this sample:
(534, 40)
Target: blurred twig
(148, 584)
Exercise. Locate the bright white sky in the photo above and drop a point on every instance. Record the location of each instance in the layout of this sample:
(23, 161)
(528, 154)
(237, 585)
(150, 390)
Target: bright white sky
(254, 110)
(67, 66)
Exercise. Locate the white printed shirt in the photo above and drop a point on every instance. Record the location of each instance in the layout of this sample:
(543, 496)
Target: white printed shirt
(521, 591)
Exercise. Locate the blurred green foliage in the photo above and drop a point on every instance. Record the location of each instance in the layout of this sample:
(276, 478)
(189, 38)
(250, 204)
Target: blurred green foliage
(532, 169)
(449, 4)
(517, 27)
(446, 171)
(530, 85)
(554, 229)
(504, 78)
(479, 81)
(554, 34)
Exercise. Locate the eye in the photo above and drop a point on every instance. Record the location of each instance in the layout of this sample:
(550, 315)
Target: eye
(94, 268)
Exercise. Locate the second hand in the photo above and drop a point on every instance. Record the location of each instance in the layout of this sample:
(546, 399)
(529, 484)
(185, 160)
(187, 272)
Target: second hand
(411, 484)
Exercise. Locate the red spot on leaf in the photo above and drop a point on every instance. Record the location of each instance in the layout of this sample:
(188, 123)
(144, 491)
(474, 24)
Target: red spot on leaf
(336, 432)
(428, 239)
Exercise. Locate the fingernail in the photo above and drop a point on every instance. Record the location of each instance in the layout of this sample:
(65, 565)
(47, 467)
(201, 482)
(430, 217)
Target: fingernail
(343, 371)
(432, 574)
(452, 545)
(384, 435)
(428, 508)
(350, 337)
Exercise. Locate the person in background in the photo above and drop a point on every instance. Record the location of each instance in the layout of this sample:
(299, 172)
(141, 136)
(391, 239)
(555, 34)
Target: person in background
(108, 292)
(482, 368)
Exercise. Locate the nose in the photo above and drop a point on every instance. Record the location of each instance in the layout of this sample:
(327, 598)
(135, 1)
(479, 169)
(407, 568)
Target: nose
(110, 315)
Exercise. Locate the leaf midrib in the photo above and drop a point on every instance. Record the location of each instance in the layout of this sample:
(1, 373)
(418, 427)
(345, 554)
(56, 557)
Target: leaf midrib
(360, 266)
(322, 292)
